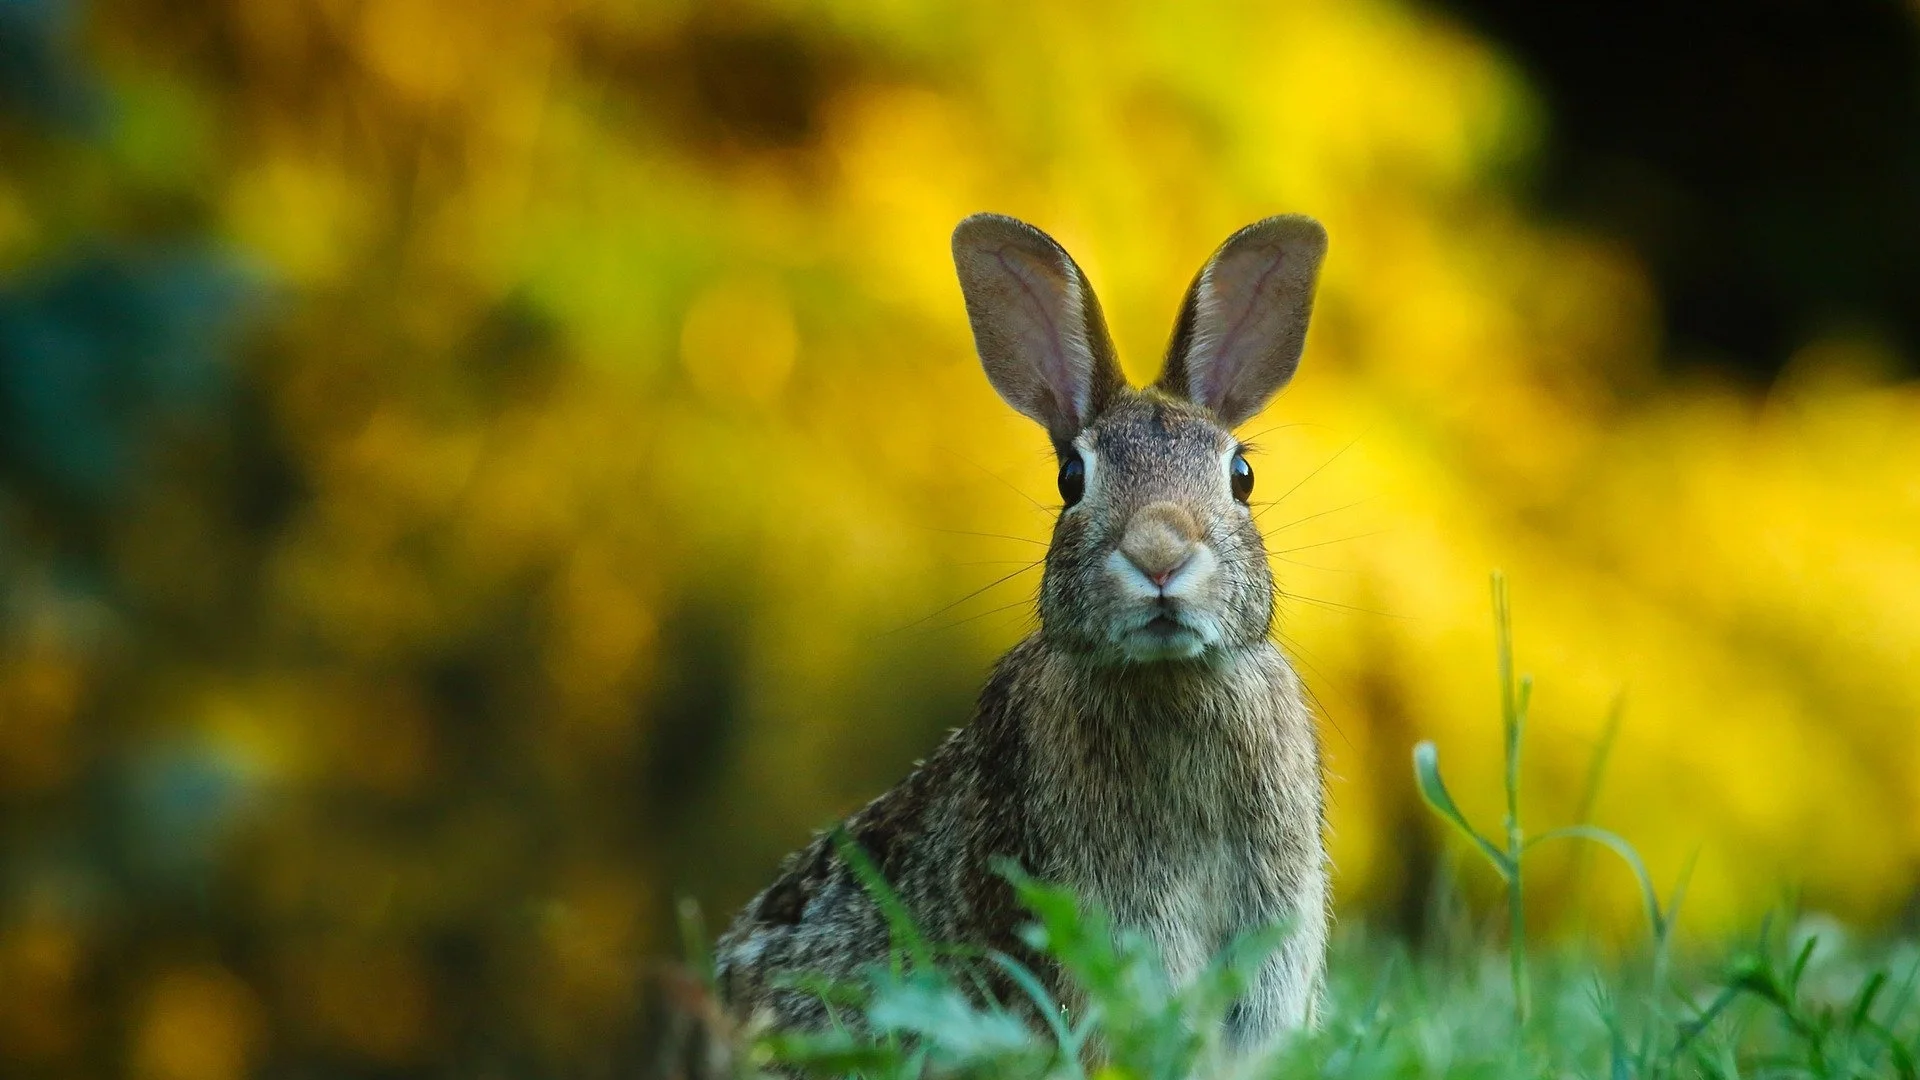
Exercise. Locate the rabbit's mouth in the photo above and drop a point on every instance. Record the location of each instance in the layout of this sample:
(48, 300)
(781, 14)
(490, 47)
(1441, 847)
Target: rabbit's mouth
(1166, 616)
(1163, 632)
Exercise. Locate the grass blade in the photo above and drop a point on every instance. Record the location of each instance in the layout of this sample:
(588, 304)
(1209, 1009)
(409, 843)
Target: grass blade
(1613, 842)
(693, 938)
(1045, 1005)
(1426, 773)
(906, 933)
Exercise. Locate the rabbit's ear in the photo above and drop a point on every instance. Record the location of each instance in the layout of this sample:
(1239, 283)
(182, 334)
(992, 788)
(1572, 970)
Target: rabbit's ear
(1036, 323)
(1244, 320)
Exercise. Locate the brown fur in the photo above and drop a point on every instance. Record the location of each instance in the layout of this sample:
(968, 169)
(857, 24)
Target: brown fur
(1149, 746)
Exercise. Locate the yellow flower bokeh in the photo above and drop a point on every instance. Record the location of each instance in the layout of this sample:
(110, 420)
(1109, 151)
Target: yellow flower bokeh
(652, 509)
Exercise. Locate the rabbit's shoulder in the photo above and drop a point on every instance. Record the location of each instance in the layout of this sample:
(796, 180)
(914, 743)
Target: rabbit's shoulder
(936, 839)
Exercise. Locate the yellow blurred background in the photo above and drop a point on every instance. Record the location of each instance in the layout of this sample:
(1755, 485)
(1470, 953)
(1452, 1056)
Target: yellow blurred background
(589, 489)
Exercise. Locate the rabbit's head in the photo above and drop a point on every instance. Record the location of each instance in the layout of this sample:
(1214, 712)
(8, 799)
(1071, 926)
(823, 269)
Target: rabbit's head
(1155, 554)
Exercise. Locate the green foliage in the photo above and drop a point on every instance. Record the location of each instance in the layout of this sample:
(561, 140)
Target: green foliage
(1808, 1002)
(1805, 1003)
(1506, 861)
(939, 1018)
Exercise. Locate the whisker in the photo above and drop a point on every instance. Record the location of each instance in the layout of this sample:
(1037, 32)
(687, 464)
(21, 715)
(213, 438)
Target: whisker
(1028, 619)
(1262, 433)
(1333, 605)
(1001, 580)
(1296, 652)
(1325, 543)
(1318, 469)
(1316, 566)
(971, 618)
(997, 562)
(1037, 504)
(991, 536)
(1251, 561)
(1309, 517)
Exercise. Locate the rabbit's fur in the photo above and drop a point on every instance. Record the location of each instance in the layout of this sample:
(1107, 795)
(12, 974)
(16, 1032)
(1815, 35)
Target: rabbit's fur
(1149, 746)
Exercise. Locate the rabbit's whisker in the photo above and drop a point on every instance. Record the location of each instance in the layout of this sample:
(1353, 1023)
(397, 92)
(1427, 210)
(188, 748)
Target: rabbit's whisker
(972, 618)
(999, 562)
(1316, 566)
(990, 536)
(1318, 469)
(1001, 580)
(1295, 650)
(1263, 432)
(1333, 605)
(1326, 543)
(1037, 504)
(1303, 520)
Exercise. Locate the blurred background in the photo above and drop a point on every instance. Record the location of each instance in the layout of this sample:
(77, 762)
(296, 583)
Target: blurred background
(472, 472)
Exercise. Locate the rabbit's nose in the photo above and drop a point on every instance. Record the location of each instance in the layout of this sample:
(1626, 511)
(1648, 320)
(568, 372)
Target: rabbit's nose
(1159, 540)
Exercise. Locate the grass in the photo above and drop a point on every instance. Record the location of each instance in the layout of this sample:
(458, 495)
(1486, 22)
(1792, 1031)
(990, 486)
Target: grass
(1800, 998)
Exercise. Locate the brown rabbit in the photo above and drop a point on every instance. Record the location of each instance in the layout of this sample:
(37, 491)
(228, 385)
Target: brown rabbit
(1149, 746)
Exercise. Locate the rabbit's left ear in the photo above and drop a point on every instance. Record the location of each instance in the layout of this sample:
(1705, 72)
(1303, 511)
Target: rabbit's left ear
(1244, 321)
(1036, 324)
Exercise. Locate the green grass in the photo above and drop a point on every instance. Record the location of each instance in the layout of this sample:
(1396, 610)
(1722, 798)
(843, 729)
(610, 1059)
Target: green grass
(1800, 998)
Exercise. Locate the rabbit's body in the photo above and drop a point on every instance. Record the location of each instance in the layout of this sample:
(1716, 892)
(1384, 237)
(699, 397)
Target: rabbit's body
(1202, 823)
(1187, 804)
(1149, 747)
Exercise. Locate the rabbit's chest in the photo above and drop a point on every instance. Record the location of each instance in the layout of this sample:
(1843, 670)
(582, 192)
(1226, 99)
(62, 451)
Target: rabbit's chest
(1189, 817)
(1189, 902)
(1183, 859)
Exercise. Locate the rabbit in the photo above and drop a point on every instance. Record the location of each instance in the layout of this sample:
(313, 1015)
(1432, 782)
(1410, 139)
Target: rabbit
(1148, 746)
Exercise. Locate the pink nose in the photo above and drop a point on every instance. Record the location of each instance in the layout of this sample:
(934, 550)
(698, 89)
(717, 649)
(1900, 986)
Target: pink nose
(1160, 539)
(1161, 578)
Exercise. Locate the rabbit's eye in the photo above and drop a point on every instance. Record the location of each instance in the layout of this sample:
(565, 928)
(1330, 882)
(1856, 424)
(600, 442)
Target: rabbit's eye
(1240, 477)
(1073, 479)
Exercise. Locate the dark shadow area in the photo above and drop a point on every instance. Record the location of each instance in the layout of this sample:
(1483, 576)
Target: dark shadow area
(1762, 158)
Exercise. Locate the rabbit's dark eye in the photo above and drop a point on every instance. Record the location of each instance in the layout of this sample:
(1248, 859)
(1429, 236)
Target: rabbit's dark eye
(1240, 477)
(1073, 479)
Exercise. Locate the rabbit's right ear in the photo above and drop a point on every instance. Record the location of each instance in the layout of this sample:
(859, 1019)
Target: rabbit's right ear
(1244, 321)
(1036, 323)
